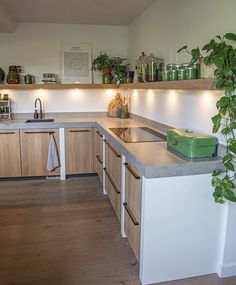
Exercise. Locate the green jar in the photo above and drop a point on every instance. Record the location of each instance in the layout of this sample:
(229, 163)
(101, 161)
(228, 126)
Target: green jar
(197, 67)
(190, 73)
(106, 78)
(166, 75)
(171, 66)
(173, 74)
(181, 74)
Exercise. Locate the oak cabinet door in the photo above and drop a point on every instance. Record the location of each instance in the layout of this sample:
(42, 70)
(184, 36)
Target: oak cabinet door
(34, 151)
(79, 150)
(10, 159)
(133, 191)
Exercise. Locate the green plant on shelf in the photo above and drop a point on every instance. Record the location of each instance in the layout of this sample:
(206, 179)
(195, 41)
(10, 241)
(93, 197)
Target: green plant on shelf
(222, 55)
(195, 53)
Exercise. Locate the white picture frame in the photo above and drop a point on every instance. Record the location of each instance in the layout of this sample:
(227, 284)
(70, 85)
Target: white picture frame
(76, 63)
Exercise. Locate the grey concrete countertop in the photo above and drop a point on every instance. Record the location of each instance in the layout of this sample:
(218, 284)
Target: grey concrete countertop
(152, 159)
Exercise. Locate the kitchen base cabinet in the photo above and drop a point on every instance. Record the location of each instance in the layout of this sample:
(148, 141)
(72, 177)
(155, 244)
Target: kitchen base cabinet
(113, 193)
(113, 163)
(132, 230)
(98, 154)
(79, 150)
(10, 158)
(34, 151)
(182, 228)
(113, 177)
(132, 205)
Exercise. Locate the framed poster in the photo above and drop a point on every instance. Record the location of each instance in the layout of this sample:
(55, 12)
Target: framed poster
(76, 63)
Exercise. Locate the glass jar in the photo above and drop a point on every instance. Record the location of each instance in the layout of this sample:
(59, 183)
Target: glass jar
(190, 73)
(13, 76)
(181, 74)
(185, 65)
(171, 66)
(197, 67)
(166, 75)
(173, 74)
(129, 76)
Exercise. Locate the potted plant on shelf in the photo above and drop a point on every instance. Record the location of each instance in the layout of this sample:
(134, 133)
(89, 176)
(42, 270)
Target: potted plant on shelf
(103, 63)
(108, 65)
(118, 69)
(222, 55)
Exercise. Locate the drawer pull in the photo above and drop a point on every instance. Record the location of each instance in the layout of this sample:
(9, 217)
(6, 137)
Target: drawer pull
(100, 135)
(99, 160)
(10, 133)
(79, 131)
(117, 155)
(132, 171)
(32, 133)
(135, 222)
(112, 183)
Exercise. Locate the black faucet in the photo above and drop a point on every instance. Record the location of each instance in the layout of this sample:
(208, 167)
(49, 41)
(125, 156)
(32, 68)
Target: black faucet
(36, 115)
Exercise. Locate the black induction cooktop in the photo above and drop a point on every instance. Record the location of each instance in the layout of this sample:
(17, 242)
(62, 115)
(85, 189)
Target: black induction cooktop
(138, 134)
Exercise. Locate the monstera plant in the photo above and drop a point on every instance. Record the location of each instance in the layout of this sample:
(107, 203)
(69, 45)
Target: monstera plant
(221, 52)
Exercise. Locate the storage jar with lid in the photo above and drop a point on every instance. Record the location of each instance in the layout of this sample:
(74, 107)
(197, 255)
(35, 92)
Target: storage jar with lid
(172, 66)
(197, 67)
(173, 74)
(13, 76)
(190, 73)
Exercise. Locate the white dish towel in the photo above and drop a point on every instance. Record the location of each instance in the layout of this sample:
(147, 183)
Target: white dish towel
(53, 161)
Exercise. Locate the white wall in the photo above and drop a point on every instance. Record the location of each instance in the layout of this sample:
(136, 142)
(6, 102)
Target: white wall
(168, 25)
(162, 29)
(37, 48)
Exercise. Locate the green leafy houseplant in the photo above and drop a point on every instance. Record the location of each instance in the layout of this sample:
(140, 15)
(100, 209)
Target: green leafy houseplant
(118, 68)
(107, 65)
(101, 62)
(195, 53)
(223, 55)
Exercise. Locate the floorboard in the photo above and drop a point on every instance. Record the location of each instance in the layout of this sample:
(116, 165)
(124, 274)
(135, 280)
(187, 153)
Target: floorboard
(66, 233)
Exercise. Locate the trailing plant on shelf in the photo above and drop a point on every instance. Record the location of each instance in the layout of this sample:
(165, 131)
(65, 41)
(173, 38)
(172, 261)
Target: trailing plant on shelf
(222, 55)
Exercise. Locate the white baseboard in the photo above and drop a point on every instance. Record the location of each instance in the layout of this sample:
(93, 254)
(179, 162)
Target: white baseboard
(227, 270)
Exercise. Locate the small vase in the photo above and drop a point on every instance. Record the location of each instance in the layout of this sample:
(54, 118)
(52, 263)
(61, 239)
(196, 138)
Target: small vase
(106, 75)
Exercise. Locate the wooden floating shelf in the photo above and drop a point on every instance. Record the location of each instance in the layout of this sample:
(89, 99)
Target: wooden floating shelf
(197, 84)
(56, 86)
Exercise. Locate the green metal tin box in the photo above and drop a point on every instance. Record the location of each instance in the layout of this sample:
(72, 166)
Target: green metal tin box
(191, 144)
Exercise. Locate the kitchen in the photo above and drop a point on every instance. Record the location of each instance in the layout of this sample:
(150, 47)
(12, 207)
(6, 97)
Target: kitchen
(161, 29)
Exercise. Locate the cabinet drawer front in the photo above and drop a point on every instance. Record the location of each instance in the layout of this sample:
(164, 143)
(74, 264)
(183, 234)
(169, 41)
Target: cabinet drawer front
(114, 197)
(10, 161)
(132, 231)
(98, 167)
(79, 150)
(133, 190)
(34, 151)
(113, 164)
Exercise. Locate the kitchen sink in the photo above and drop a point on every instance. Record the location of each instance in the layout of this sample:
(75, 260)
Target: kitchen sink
(39, 120)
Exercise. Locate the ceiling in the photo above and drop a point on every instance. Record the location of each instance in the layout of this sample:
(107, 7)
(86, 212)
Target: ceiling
(98, 12)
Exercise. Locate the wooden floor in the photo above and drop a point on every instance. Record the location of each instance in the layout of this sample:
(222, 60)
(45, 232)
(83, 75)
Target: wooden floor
(66, 233)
